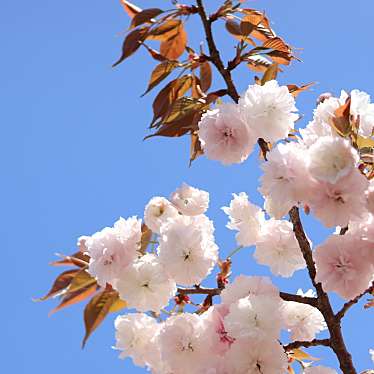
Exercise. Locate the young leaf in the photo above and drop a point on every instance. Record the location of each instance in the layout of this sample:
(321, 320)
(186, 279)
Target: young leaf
(258, 63)
(145, 238)
(363, 142)
(277, 44)
(160, 72)
(195, 148)
(81, 280)
(270, 73)
(117, 305)
(96, 310)
(165, 31)
(174, 47)
(131, 9)
(131, 43)
(340, 121)
(205, 76)
(72, 298)
(77, 259)
(295, 90)
(145, 16)
(61, 282)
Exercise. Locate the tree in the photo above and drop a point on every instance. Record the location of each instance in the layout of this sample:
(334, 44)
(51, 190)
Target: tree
(325, 169)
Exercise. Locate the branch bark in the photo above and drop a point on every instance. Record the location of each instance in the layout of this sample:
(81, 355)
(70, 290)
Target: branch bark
(306, 344)
(333, 323)
(214, 52)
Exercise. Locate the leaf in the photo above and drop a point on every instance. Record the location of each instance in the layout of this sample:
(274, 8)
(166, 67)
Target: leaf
(145, 16)
(131, 43)
(295, 90)
(258, 63)
(340, 121)
(174, 89)
(61, 282)
(277, 44)
(270, 73)
(81, 280)
(160, 72)
(369, 304)
(131, 9)
(300, 355)
(155, 54)
(279, 57)
(96, 310)
(165, 31)
(195, 148)
(182, 107)
(364, 142)
(174, 47)
(205, 76)
(247, 26)
(145, 238)
(77, 259)
(233, 27)
(72, 298)
(117, 305)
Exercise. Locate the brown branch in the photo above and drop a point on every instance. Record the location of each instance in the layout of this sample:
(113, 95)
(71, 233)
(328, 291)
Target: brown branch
(352, 302)
(306, 344)
(333, 324)
(299, 299)
(199, 291)
(214, 53)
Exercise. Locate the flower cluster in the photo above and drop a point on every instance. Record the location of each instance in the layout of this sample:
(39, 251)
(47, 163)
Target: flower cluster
(319, 170)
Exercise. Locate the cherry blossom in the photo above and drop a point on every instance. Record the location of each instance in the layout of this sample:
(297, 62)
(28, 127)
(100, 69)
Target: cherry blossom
(319, 370)
(244, 285)
(112, 249)
(187, 249)
(286, 180)
(136, 337)
(190, 200)
(224, 136)
(331, 159)
(278, 248)
(262, 356)
(145, 286)
(268, 110)
(343, 270)
(246, 218)
(157, 212)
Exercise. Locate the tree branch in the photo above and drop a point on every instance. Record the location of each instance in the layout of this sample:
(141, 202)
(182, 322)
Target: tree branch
(307, 344)
(352, 302)
(333, 323)
(299, 299)
(214, 53)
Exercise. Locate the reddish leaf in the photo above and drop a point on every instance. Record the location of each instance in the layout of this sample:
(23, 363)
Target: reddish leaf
(61, 282)
(258, 63)
(96, 310)
(145, 238)
(131, 43)
(295, 90)
(277, 44)
(72, 298)
(341, 119)
(77, 259)
(81, 280)
(270, 73)
(131, 9)
(160, 72)
(205, 76)
(165, 31)
(174, 47)
(233, 27)
(155, 54)
(145, 16)
(174, 89)
(195, 148)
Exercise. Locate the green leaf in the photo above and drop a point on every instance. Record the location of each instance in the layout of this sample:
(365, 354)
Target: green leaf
(364, 142)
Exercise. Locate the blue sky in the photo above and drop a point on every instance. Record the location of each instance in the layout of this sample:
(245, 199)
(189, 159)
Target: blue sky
(73, 159)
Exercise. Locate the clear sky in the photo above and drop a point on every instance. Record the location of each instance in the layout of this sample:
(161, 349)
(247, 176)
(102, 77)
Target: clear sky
(73, 159)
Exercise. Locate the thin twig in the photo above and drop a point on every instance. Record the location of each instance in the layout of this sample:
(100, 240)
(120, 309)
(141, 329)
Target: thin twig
(352, 302)
(299, 299)
(306, 344)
